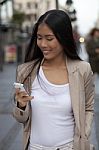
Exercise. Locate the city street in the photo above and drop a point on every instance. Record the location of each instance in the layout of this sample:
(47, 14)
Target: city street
(10, 130)
(20, 26)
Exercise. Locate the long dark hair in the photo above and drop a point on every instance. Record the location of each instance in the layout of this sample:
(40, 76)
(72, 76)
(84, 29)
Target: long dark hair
(59, 22)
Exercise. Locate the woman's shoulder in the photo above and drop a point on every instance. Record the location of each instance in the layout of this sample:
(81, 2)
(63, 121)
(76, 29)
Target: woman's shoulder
(23, 70)
(25, 65)
(28, 64)
(84, 67)
(79, 63)
(83, 63)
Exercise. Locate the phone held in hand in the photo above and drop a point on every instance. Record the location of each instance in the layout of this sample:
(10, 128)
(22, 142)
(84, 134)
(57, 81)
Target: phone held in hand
(20, 86)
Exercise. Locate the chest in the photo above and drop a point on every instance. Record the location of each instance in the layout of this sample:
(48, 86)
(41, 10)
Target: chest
(51, 98)
(56, 76)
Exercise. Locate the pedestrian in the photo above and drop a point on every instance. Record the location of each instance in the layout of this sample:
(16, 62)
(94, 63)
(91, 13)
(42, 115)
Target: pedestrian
(92, 48)
(76, 36)
(57, 108)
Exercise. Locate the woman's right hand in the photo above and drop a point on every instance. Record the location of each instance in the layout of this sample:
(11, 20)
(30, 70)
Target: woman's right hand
(22, 97)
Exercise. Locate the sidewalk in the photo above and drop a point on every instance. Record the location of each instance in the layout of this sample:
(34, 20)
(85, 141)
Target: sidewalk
(10, 130)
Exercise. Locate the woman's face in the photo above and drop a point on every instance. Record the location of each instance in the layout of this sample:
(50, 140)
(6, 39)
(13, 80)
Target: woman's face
(48, 43)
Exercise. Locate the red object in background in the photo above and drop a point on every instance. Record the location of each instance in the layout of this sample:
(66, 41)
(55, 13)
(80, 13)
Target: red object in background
(10, 53)
(76, 36)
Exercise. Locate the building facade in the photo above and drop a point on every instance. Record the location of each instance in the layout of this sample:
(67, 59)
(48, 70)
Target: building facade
(33, 9)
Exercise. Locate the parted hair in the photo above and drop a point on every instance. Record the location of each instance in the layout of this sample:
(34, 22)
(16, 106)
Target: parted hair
(60, 24)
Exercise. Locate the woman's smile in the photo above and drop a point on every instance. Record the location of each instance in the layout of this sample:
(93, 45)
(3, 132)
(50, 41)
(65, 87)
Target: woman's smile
(46, 52)
(47, 42)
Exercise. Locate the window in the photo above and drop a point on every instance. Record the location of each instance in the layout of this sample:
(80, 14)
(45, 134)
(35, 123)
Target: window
(20, 6)
(36, 5)
(28, 5)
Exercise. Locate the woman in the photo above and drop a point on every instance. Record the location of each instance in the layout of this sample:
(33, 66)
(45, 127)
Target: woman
(57, 108)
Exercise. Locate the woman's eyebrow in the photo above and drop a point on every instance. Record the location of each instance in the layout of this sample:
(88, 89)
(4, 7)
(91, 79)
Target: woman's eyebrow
(51, 35)
(46, 35)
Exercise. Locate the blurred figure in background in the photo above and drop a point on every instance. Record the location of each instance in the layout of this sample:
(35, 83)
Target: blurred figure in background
(76, 36)
(92, 48)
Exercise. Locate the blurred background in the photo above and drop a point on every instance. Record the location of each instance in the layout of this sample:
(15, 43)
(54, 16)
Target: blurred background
(17, 19)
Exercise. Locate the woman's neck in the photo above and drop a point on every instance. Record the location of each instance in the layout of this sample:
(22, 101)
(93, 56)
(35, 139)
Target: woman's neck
(55, 63)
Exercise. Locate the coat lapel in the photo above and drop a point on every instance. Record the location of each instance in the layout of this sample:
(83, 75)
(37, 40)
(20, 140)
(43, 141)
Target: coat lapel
(74, 89)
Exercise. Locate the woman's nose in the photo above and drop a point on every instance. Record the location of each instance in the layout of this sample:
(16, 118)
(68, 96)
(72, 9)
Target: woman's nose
(43, 43)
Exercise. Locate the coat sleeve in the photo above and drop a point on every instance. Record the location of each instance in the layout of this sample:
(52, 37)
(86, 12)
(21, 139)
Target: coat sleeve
(89, 100)
(19, 114)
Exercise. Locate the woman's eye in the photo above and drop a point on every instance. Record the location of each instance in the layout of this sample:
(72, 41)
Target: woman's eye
(49, 39)
(46, 38)
(39, 38)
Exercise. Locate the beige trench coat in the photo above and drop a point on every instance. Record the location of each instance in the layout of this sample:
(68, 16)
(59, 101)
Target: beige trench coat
(82, 96)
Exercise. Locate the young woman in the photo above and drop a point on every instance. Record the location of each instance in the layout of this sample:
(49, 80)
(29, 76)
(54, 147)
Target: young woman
(57, 108)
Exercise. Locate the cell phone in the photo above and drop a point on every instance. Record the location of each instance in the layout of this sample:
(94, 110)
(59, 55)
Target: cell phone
(19, 85)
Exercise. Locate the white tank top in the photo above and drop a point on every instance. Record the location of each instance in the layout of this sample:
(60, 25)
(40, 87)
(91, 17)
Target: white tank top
(52, 121)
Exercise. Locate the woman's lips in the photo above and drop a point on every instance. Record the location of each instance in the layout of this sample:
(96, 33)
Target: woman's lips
(46, 51)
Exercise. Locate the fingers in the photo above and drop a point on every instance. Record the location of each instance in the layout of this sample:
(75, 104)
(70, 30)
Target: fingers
(17, 90)
(26, 99)
(22, 96)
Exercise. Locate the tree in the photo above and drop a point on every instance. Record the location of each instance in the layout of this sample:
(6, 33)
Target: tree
(18, 18)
